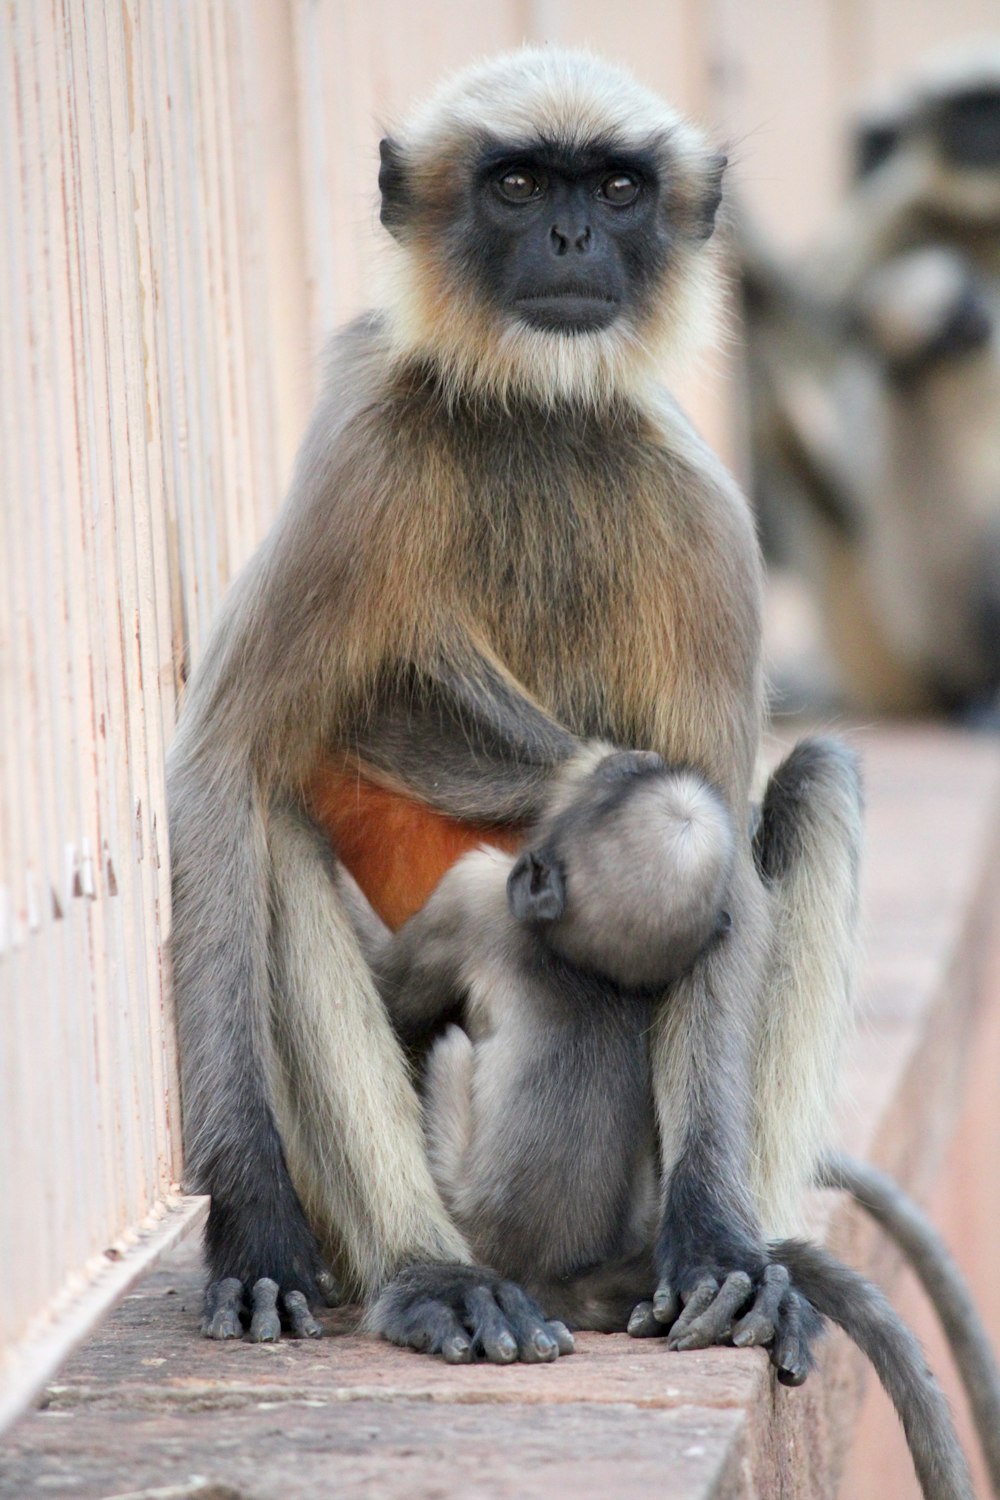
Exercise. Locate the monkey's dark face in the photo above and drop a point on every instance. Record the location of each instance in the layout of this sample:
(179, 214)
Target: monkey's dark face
(565, 240)
(550, 216)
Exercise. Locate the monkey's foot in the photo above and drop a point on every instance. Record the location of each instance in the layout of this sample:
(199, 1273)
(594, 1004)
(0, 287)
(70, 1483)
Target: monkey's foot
(733, 1308)
(228, 1312)
(466, 1313)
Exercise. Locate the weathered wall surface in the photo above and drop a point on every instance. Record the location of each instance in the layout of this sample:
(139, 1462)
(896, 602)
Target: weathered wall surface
(143, 421)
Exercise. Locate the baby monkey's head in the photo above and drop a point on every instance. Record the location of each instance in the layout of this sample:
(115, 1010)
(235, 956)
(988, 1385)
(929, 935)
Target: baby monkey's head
(627, 875)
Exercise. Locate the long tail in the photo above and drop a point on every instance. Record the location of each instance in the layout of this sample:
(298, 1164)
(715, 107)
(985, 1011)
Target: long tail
(858, 1307)
(944, 1284)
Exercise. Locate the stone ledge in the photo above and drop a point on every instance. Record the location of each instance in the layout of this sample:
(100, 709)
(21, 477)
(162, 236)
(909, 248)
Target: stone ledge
(147, 1403)
(34, 1358)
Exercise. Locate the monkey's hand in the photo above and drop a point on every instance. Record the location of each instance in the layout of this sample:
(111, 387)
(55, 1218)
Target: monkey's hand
(465, 1313)
(743, 1300)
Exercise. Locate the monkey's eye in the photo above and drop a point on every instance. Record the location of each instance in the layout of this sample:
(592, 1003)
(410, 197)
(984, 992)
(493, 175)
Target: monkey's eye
(621, 189)
(518, 187)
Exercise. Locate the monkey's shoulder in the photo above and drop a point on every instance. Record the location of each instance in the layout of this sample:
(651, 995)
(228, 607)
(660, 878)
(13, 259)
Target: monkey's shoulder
(520, 991)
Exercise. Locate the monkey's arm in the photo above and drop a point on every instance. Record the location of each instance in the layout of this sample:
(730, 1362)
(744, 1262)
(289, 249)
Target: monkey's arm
(775, 993)
(460, 733)
(446, 757)
(710, 1256)
(423, 970)
(418, 970)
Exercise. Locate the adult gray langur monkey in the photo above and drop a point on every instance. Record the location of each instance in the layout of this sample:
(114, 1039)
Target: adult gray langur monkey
(503, 541)
(537, 1108)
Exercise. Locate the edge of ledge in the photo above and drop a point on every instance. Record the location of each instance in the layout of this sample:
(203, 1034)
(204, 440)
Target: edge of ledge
(29, 1364)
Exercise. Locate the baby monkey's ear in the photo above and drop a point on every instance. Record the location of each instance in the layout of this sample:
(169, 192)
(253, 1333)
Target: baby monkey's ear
(535, 888)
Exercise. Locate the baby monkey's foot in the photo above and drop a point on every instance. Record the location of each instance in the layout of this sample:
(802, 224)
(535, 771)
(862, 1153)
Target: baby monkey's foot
(465, 1313)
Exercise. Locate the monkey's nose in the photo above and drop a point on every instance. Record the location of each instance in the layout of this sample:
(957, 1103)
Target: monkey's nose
(560, 239)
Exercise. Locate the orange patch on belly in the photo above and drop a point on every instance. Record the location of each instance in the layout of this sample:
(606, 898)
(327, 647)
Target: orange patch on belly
(396, 848)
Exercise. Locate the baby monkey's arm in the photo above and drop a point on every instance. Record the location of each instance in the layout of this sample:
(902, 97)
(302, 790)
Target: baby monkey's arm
(421, 969)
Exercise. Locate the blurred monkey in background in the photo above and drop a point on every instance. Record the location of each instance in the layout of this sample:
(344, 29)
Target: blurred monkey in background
(873, 378)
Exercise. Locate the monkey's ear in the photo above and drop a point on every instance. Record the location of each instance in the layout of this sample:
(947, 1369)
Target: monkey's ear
(535, 888)
(712, 197)
(394, 186)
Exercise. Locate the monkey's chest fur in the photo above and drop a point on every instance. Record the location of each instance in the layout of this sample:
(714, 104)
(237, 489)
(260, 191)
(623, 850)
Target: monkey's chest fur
(616, 584)
(602, 574)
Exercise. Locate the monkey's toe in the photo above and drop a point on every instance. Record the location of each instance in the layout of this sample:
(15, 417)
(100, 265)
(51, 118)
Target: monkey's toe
(220, 1318)
(265, 1322)
(799, 1325)
(666, 1304)
(263, 1315)
(564, 1339)
(301, 1322)
(329, 1288)
(536, 1343)
(490, 1331)
(761, 1323)
(644, 1324)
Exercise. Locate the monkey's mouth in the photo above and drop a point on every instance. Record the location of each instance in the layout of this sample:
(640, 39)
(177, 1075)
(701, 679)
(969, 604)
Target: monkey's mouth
(569, 312)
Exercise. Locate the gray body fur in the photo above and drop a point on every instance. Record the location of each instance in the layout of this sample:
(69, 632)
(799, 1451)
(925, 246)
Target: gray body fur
(500, 544)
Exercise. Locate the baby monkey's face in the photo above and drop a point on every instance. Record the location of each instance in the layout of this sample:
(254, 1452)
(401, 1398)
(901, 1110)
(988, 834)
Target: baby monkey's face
(629, 878)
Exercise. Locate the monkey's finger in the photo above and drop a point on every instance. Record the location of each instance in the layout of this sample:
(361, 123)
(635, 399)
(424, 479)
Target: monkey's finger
(535, 1345)
(489, 1327)
(301, 1321)
(761, 1323)
(565, 1341)
(701, 1296)
(223, 1304)
(790, 1351)
(457, 1349)
(666, 1303)
(265, 1324)
(430, 1327)
(715, 1323)
(447, 1337)
(644, 1324)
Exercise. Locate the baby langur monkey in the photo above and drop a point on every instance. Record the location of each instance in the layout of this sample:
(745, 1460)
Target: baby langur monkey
(538, 1111)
